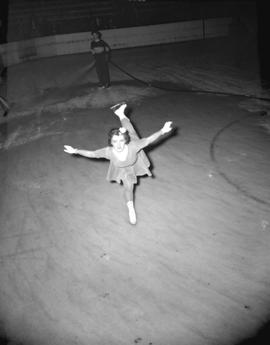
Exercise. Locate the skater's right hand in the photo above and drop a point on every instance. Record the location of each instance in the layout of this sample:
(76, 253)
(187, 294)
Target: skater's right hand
(167, 127)
(70, 149)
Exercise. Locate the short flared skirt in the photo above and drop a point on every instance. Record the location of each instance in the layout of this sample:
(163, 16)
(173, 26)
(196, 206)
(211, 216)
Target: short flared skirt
(130, 173)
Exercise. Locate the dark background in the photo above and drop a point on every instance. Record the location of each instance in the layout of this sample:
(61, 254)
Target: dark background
(24, 19)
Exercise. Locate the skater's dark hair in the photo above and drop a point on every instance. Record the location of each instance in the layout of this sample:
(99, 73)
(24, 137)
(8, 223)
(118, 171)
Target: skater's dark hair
(98, 33)
(116, 131)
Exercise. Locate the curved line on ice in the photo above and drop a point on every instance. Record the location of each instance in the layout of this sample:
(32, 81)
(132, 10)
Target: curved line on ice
(212, 152)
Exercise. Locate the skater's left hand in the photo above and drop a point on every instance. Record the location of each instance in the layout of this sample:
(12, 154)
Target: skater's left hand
(70, 149)
(167, 127)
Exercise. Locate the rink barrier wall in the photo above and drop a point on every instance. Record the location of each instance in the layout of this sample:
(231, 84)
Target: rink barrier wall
(36, 48)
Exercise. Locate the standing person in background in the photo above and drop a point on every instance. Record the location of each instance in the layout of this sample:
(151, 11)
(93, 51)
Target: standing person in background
(101, 51)
(3, 88)
(4, 106)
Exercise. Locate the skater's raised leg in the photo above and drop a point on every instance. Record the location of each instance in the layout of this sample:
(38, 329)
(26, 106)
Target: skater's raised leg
(125, 122)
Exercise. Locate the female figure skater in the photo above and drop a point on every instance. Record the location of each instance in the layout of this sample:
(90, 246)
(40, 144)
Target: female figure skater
(126, 155)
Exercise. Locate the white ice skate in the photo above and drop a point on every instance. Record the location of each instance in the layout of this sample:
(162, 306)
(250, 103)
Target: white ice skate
(116, 106)
(131, 213)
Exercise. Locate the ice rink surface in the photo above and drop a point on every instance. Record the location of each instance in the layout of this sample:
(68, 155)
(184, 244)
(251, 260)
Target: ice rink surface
(195, 269)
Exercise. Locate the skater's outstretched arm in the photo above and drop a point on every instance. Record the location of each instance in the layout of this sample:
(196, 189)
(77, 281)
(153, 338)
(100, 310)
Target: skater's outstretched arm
(102, 153)
(165, 129)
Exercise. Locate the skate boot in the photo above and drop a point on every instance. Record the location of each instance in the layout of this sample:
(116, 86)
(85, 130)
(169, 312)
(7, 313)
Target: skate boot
(119, 110)
(116, 106)
(131, 213)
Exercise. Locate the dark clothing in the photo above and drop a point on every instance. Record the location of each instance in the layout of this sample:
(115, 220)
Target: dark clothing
(101, 62)
(4, 106)
(100, 44)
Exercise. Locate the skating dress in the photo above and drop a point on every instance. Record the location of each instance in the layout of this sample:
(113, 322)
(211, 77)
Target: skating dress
(136, 163)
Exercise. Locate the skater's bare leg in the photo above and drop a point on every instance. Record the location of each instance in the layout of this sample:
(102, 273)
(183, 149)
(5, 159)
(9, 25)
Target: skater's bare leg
(128, 190)
(129, 198)
(125, 122)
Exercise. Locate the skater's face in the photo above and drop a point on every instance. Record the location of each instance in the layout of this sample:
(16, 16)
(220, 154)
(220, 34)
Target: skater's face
(118, 142)
(95, 36)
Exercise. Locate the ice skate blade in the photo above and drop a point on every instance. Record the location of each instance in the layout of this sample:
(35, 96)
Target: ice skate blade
(117, 106)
